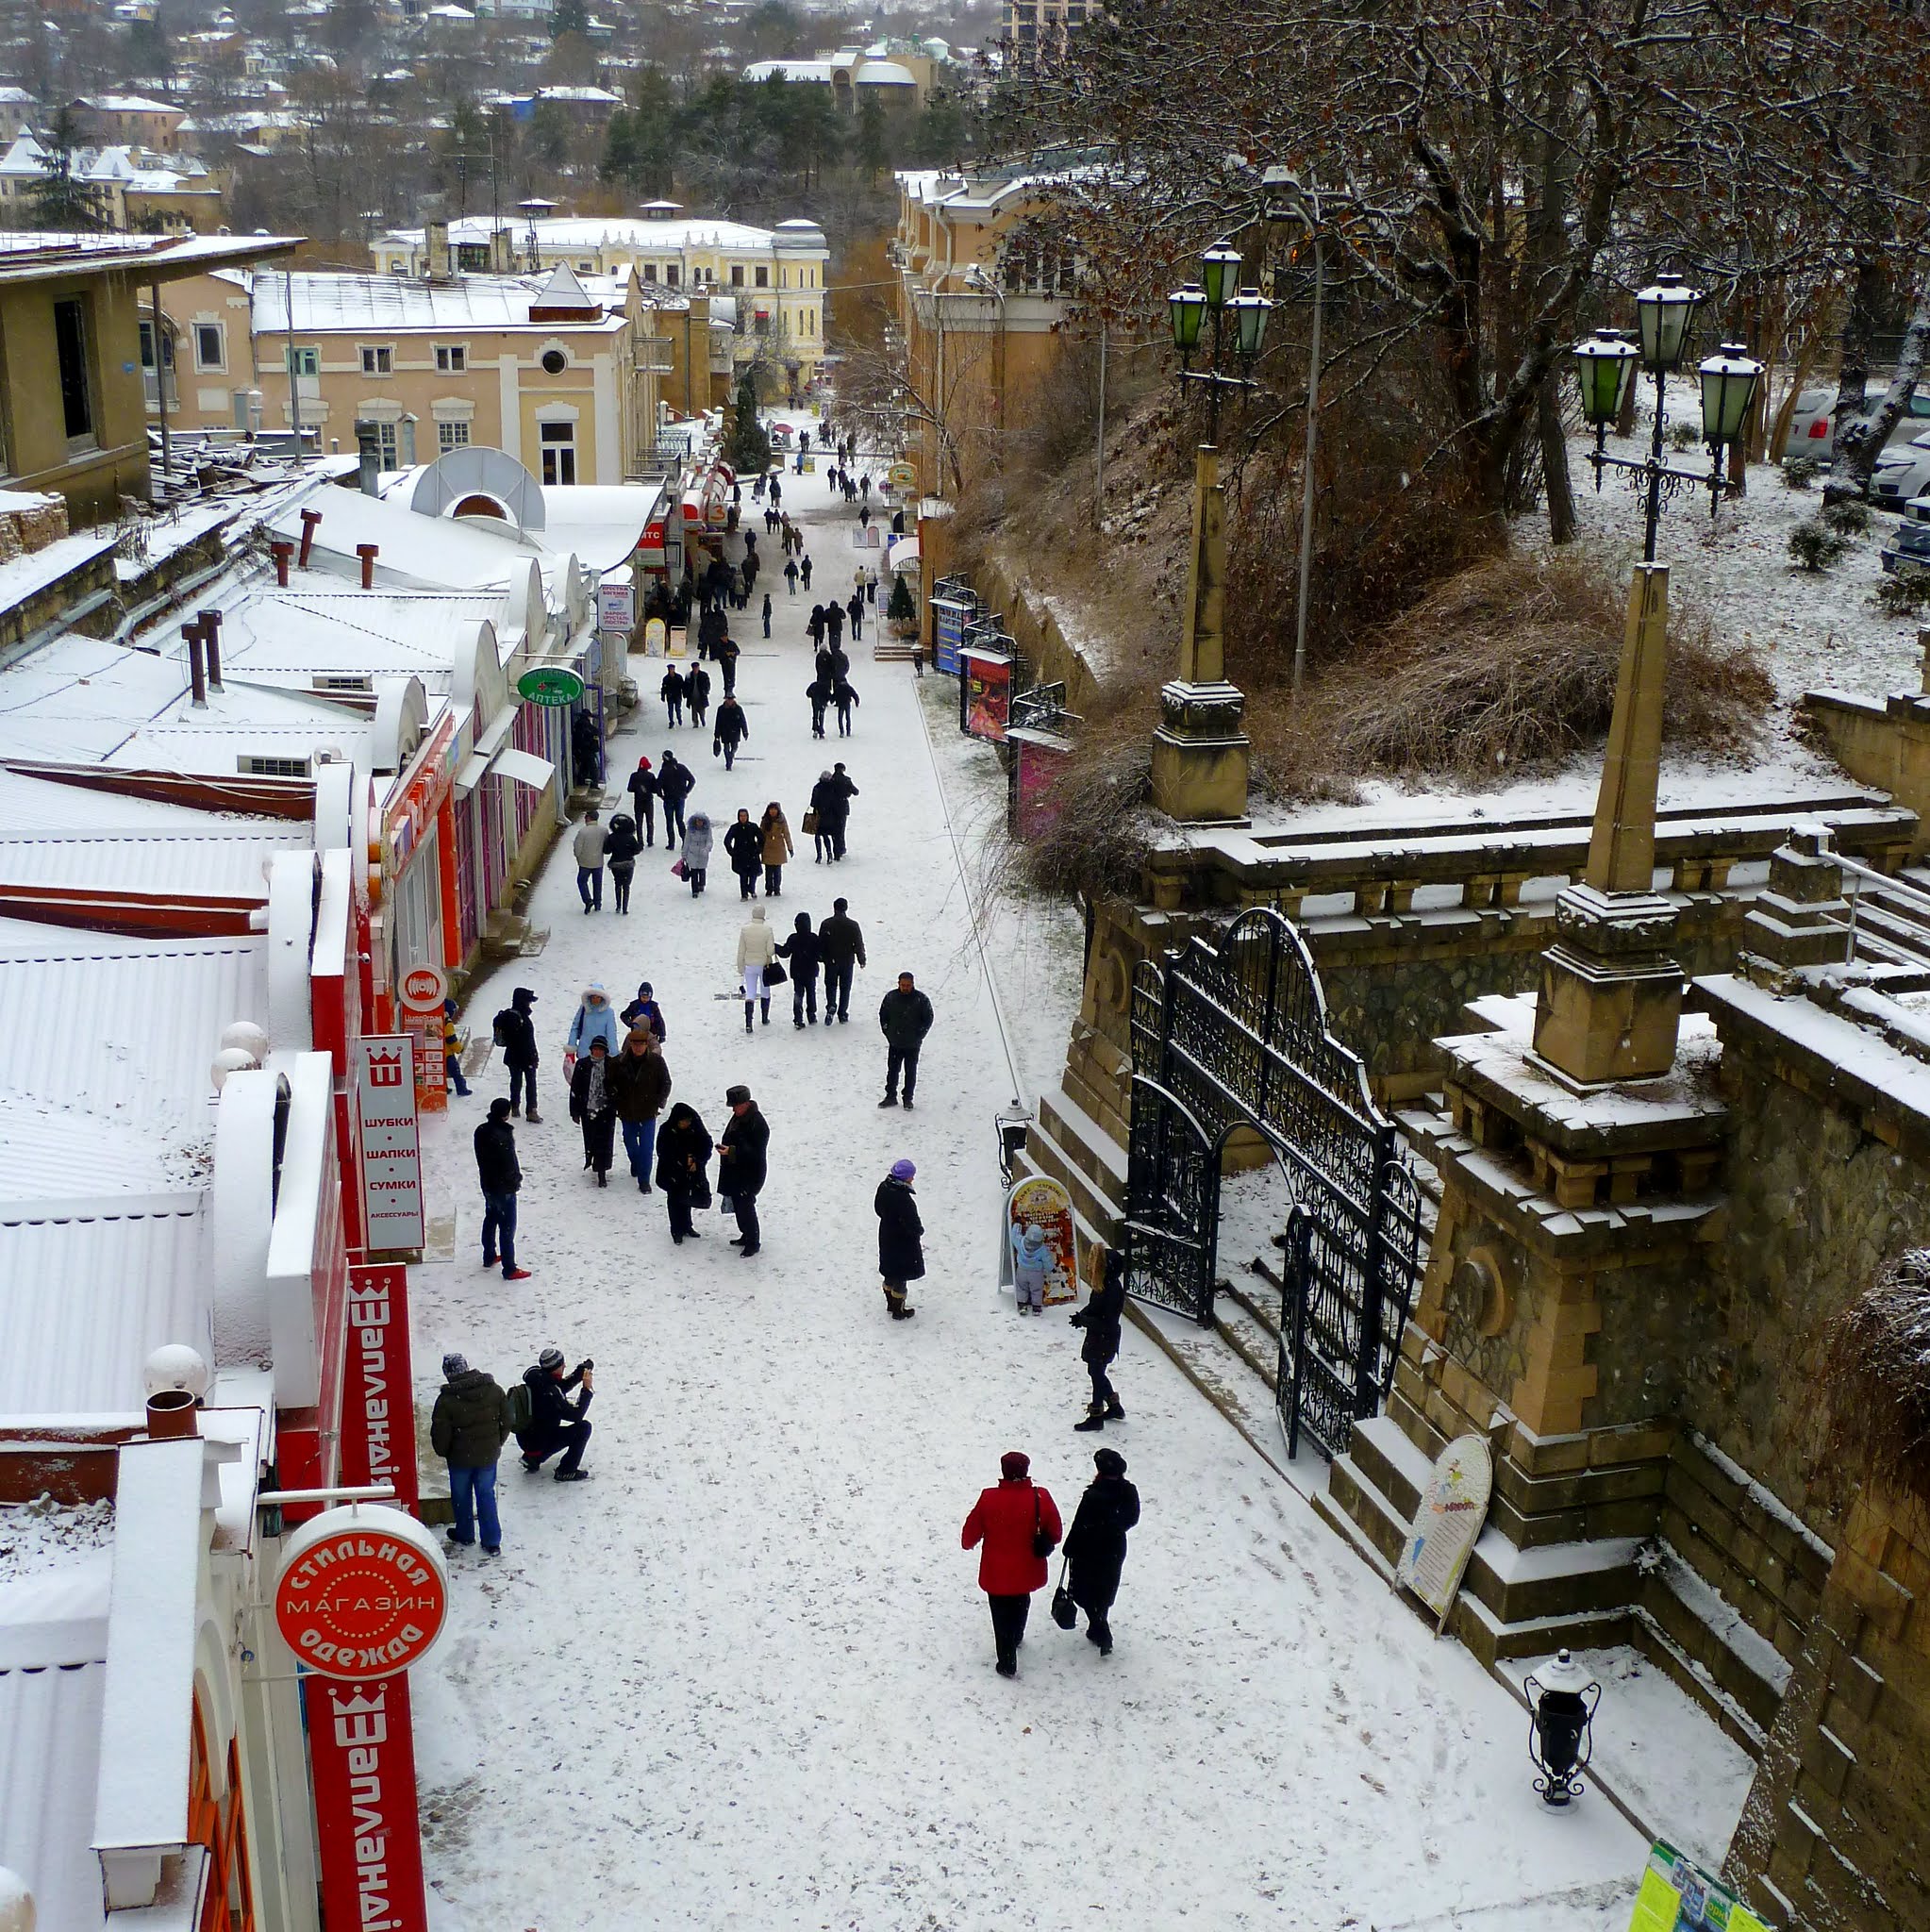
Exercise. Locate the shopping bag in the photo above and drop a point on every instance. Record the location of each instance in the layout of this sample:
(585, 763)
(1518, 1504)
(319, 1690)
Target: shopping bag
(677, 867)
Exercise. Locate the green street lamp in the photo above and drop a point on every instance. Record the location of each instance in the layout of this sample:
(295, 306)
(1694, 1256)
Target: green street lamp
(1220, 273)
(1605, 363)
(1729, 387)
(1187, 305)
(1249, 312)
(1663, 312)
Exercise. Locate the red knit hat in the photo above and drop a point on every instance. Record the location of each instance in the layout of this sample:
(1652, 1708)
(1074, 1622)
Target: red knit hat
(1013, 1464)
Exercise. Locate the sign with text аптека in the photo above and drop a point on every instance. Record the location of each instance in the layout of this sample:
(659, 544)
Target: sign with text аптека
(391, 1155)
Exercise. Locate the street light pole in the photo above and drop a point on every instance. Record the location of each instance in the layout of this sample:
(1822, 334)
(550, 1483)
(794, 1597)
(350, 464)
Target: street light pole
(1313, 424)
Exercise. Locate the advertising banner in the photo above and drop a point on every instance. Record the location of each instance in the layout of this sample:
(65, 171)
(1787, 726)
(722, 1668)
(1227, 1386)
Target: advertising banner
(1037, 761)
(655, 638)
(616, 605)
(391, 1177)
(986, 696)
(1447, 1520)
(420, 995)
(1039, 1249)
(361, 1761)
(378, 1412)
(1677, 1895)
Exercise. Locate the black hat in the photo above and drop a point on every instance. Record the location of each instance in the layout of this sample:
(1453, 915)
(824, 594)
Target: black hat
(499, 1110)
(732, 1096)
(1108, 1462)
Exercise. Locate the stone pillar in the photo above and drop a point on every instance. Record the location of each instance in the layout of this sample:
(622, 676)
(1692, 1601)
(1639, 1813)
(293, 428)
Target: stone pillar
(1803, 918)
(1201, 757)
(1610, 1002)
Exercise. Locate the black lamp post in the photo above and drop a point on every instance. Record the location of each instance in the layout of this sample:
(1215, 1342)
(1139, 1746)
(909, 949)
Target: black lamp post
(1607, 363)
(1561, 1710)
(1217, 293)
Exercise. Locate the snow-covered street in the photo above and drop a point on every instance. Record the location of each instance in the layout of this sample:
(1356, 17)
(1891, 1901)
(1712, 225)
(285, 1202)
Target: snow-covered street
(743, 1677)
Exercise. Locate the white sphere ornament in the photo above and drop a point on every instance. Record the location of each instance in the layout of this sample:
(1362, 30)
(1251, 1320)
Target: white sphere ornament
(231, 1059)
(251, 1039)
(174, 1365)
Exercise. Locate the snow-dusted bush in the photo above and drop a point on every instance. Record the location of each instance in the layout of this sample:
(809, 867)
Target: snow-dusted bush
(1816, 546)
(1877, 1373)
(1904, 592)
(1849, 518)
(1799, 472)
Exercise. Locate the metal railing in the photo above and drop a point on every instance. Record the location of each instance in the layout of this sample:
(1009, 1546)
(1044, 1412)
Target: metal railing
(1900, 932)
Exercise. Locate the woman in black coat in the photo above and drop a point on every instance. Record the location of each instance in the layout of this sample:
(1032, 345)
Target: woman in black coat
(683, 1158)
(802, 950)
(593, 1105)
(1100, 1318)
(1095, 1545)
(900, 1237)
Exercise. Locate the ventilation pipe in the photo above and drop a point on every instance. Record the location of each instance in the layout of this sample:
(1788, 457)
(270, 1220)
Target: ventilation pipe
(281, 549)
(437, 235)
(197, 669)
(310, 521)
(210, 637)
(368, 553)
(369, 448)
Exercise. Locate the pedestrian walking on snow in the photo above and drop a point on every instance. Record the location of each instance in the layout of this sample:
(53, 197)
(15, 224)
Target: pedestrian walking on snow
(834, 627)
(844, 697)
(644, 1011)
(641, 786)
(856, 607)
(1014, 1528)
(791, 577)
(1100, 1318)
(767, 613)
(639, 1086)
(846, 792)
(468, 1427)
(555, 1422)
(819, 693)
(744, 845)
(673, 690)
(698, 684)
(840, 945)
(742, 1159)
(904, 1017)
(900, 1237)
(593, 1106)
(804, 571)
(596, 1019)
(756, 949)
(725, 653)
(515, 1033)
(500, 1176)
(775, 831)
(814, 819)
(675, 780)
(695, 858)
(732, 728)
(1096, 1545)
(683, 1157)
(452, 1052)
(587, 847)
(801, 956)
(620, 846)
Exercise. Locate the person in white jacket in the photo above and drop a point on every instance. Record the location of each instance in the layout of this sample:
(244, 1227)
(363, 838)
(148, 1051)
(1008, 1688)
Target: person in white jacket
(756, 948)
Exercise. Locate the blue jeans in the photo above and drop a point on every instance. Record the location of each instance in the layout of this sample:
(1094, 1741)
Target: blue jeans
(590, 884)
(640, 1142)
(472, 1491)
(499, 1230)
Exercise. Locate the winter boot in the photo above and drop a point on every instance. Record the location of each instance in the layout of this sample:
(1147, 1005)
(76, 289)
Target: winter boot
(895, 1301)
(1114, 1413)
(764, 1007)
(534, 1118)
(747, 1016)
(1095, 1419)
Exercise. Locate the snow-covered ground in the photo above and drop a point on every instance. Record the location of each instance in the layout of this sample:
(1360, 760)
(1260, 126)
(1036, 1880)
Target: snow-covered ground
(743, 1677)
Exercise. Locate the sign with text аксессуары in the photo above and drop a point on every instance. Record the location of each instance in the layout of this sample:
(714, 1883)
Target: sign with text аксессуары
(391, 1155)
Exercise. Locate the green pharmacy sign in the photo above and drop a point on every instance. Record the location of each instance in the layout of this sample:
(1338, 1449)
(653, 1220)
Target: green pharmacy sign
(550, 684)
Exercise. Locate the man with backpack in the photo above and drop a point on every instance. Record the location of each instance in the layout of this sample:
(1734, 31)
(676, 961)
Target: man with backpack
(515, 1033)
(500, 1176)
(545, 1420)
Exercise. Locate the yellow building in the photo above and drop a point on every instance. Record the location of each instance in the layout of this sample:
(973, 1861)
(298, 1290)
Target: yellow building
(981, 312)
(770, 282)
(565, 381)
(130, 187)
(72, 413)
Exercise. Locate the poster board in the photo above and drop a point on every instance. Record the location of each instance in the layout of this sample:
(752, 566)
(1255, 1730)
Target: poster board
(391, 1173)
(985, 694)
(655, 638)
(1037, 1233)
(1677, 1895)
(616, 604)
(1447, 1520)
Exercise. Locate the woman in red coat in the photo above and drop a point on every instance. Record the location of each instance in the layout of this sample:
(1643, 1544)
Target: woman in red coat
(1018, 1523)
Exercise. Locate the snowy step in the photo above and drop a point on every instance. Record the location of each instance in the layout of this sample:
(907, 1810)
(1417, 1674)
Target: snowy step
(1254, 1342)
(894, 650)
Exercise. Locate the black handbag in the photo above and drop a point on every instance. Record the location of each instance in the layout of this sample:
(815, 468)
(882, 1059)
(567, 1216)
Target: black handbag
(775, 975)
(1042, 1539)
(1065, 1612)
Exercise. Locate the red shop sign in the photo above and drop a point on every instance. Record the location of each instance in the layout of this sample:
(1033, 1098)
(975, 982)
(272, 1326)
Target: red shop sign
(364, 1593)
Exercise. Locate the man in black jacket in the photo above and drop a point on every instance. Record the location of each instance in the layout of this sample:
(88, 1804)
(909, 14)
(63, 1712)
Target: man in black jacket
(846, 792)
(1100, 1318)
(904, 1017)
(732, 728)
(642, 785)
(500, 1175)
(675, 780)
(554, 1422)
(841, 945)
(726, 653)
(467, 1430)
(740, 1166)
(515, 1029)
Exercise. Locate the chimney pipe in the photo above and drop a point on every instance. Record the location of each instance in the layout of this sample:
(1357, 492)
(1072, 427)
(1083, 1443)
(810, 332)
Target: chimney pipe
(197, 671)
(310, 518)
(210, 636)
(369, 448)
(170, 1415)
(436, 233)
(282, 549)
(368, 553)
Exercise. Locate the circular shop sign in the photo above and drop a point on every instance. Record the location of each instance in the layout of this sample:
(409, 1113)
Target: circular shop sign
(362, 1592)
(550, 684)
(423, 989)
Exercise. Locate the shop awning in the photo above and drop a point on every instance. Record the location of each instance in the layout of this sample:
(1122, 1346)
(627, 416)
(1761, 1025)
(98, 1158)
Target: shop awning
(523, 768)
(471, 774)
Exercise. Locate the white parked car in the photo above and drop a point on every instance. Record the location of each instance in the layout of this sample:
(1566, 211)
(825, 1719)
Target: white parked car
(1812, 423)
(1903, 471)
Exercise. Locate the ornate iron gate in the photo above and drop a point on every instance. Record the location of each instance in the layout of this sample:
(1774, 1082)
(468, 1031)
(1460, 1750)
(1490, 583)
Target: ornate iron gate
(1234, 1034)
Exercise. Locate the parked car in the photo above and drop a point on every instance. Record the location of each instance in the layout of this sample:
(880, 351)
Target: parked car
(1903, 471)
(1909, 543)
(1812, 423)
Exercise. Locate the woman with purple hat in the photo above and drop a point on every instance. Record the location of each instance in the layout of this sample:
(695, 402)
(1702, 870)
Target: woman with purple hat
(901, 1235)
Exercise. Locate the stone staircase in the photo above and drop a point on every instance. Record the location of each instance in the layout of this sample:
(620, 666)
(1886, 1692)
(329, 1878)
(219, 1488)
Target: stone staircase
(889, 649)
(1067, 1144)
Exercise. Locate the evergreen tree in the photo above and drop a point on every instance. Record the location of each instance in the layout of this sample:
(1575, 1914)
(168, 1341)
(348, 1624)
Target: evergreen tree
(60, 200)
(900, 608)
(748, 451)
(569, 17)
(869, 150)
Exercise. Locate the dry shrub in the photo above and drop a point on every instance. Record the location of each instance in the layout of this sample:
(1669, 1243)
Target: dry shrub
(1510, 667)
(1098, 839)
(1876, 1375)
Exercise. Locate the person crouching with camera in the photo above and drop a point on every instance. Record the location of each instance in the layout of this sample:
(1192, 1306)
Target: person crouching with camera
(555, 1422)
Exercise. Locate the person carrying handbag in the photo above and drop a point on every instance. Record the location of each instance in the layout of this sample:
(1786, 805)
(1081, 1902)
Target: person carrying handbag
(1015, 1527)
(1096, 1545)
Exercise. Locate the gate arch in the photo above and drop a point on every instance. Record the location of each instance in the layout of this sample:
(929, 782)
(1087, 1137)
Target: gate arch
(1234, 1033)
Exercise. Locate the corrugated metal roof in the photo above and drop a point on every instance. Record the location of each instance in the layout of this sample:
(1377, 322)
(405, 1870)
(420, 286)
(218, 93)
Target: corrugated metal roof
(89, 1293)
(324, 302)
(225, 864)
(292, 635)
(50, 1727)
(32, 805)
(104, 1048)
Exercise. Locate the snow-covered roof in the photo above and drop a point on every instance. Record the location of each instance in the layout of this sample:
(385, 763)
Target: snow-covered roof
(416, 551)
(207, 859)
(136, 168)
(127, 104)
(30, 806)
(291, 638)
(639, 237)
(50, 1725)
(25, 256)
(594, 97)
(326, 302)
(599, 523)
(862, 73)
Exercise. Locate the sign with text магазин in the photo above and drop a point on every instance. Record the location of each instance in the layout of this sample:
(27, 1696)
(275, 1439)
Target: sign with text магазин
(391, 1153)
